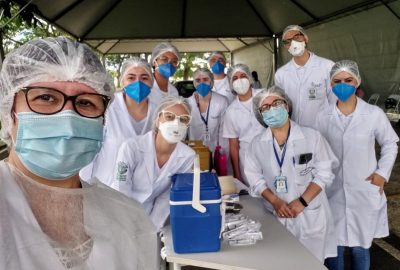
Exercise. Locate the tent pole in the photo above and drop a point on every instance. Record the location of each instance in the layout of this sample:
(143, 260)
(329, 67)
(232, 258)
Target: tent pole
(276, 55)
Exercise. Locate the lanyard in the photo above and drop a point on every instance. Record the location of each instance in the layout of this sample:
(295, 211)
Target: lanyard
(205, 120)
(280, 160)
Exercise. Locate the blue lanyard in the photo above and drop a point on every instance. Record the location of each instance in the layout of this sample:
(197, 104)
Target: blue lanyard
(280, 160)
(205, 120)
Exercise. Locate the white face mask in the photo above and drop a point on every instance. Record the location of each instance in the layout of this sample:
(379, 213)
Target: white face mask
(241, 86)
(297, 48)
(173, 131)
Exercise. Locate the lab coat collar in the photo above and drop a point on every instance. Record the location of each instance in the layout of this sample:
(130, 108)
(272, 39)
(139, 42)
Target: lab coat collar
(361, 109)
(312, 62)
(295, 133)
(155, 86)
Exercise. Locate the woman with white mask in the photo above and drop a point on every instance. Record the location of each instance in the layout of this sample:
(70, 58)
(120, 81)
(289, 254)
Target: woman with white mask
(240, 125)
(290, 166)
(208, 109)
(129, 115)
(358, 200)
(145, 164)
(53, 96)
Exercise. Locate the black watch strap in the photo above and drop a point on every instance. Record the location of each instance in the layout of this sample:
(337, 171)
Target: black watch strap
(303, 202)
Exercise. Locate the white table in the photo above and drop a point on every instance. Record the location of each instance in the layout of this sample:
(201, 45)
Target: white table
(279, 250)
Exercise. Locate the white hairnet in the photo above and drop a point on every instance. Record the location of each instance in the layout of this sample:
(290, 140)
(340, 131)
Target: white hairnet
(294, 28)
(239, 67)
(48, 60)
(203, 71)
(275, 91)
(167, 102)
(136, 62)
(162, 48)
(348, 66)
(217, 53)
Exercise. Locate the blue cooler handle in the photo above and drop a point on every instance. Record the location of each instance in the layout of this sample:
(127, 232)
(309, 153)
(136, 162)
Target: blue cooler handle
(196, 187)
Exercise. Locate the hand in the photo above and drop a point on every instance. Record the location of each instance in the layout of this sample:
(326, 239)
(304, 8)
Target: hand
(282, 208)
(377, 180)
(297, 207)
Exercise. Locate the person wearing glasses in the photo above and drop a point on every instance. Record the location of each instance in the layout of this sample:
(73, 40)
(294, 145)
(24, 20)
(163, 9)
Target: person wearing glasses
(208, 109)
(164, 60)
(217, 64)
(145, 164)
(290, 166)
(239, 125)
(305, 78)
(53, 96)
(129, 115)
(359, 204)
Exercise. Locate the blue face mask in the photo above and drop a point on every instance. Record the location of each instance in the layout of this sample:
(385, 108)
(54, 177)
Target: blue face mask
(343, 91)
(166, 70)
(203, 89)
(137, 91)
(275, 117)
(218, 68)
(57, 146)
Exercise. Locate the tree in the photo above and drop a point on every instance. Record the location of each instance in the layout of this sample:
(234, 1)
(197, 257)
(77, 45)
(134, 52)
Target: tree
(189, 63)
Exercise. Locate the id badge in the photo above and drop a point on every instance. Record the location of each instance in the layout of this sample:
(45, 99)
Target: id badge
(311, 94)
(281, 184)
(207, 136)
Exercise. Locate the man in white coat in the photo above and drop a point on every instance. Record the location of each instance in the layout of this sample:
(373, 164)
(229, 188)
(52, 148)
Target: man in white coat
(305, 78)
(164, 60)
(217, 64)
(290, 167)
(357, 197)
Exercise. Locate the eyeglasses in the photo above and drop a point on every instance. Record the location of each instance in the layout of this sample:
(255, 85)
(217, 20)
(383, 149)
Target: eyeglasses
(170, 116)
(45, 100)
(274, 104)
(297, 37)
(166, 60)
(214, 60)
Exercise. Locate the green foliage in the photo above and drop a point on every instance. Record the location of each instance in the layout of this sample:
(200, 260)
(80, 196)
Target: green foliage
(189, 63)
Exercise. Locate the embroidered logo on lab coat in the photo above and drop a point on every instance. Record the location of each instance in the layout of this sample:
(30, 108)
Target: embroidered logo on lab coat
(122, 171)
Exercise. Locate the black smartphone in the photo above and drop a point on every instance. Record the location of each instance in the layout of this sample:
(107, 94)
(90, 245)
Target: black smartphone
(305, 158)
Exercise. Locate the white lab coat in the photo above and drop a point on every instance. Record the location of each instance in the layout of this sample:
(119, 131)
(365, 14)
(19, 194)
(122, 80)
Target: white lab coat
(123, 236)
(309, 94)
(157, 95)
(138, 176)
(359, 210)
(314, 226)
(241, 123)
(197, 127)
(223, 87)
(119, 127)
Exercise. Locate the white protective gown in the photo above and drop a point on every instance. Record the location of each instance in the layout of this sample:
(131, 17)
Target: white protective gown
(222, 87)
(113, 231)
(308, 87)
(119, 127)
(138, 176)
(197, 127)
(359, 210)
(157, 95)
(240, 122)
(314, 226)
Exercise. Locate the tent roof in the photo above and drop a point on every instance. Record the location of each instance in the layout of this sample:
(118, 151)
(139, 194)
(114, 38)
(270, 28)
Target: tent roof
(129, 26)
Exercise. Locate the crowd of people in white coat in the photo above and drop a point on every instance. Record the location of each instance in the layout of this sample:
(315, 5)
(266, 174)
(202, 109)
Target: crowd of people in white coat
(305, 145)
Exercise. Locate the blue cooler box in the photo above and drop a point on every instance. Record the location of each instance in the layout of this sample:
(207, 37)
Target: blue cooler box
(193, 231)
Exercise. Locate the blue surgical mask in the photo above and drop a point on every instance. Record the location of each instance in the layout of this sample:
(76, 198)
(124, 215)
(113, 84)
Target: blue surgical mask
(203, 89)
(166, 70)
(343, 91)
(218, 68)
(57, 146)
(137, 91)
(275, 117)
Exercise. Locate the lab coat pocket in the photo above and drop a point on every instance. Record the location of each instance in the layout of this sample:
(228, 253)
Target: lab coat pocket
(376, 199)
(314, 222)
(303, 174)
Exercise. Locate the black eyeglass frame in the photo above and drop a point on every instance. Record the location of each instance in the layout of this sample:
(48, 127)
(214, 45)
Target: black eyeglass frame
(106, 100)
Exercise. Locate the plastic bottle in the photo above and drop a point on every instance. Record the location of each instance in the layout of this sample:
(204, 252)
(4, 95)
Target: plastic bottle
(220, 161)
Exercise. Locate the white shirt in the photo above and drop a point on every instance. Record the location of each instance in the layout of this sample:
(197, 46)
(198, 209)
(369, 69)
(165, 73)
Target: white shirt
(241, 123)
(138, 175)
(222, 87)
(308, 87)
(119, 127)
(157, 95)
(359, 210)
(197, 127)
(314, 226)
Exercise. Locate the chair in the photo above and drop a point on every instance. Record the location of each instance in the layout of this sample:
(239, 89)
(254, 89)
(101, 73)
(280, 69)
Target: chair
(373, 99)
